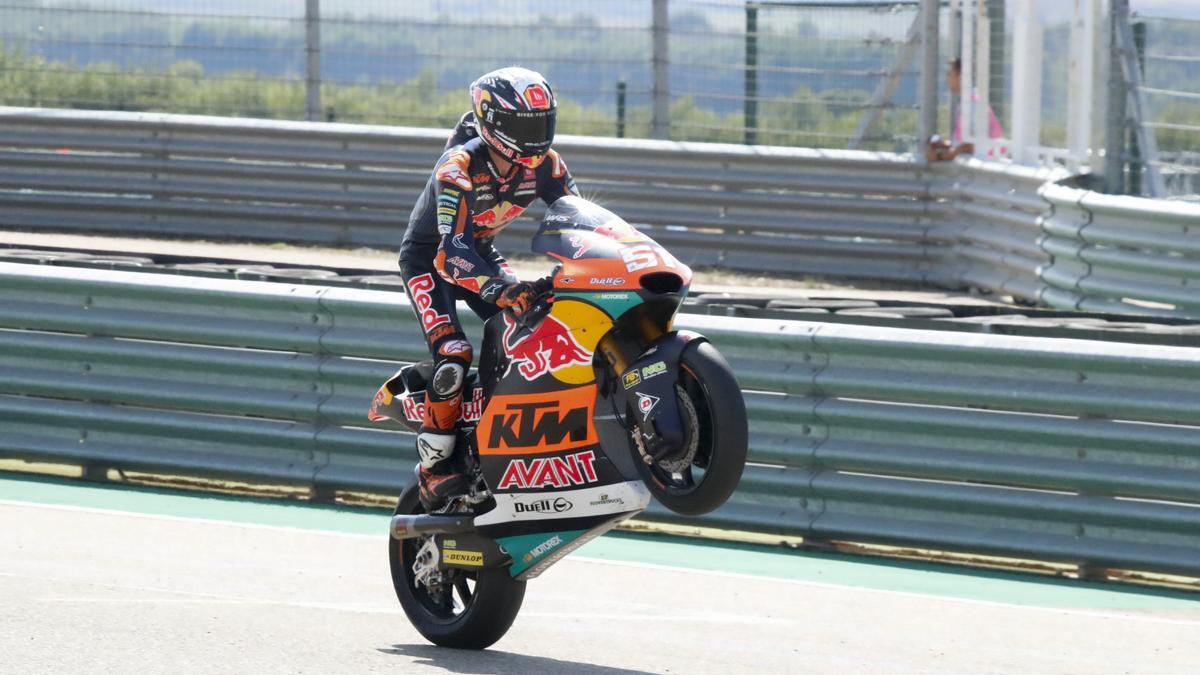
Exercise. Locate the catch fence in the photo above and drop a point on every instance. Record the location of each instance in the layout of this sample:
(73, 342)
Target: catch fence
(790, 73)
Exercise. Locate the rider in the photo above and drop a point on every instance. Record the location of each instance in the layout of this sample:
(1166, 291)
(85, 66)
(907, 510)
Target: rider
(497, 161)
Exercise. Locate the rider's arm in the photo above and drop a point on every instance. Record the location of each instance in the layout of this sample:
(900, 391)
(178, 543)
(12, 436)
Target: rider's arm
(486, 248)
(554, 180)
(457, 260)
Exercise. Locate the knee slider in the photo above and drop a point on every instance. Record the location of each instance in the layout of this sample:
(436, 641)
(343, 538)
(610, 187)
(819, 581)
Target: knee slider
(454, 357)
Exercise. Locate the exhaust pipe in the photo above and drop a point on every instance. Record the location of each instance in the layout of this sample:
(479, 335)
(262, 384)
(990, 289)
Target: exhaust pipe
(409, 526)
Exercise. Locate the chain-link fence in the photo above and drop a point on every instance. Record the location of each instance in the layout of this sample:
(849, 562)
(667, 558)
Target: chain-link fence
(1170, 58)
(794, 73)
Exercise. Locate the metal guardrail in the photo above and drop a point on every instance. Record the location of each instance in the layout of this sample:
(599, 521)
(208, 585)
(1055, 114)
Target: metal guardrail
(1078, 451)
(824, 212)
(993, 228)
(1120, 253)
(746, 208)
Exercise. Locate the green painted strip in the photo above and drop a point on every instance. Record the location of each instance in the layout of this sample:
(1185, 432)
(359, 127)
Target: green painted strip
(772, 562)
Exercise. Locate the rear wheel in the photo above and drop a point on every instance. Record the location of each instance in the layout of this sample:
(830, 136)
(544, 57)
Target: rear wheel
(464, 609)
(716, 435)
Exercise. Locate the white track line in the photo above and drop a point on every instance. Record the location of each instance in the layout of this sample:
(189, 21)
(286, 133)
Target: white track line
(1128, 615)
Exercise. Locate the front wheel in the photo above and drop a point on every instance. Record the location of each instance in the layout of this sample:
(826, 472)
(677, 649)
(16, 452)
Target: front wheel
(453, 608)
(714, 418)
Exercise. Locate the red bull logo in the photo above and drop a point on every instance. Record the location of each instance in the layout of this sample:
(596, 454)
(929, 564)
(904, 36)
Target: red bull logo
(497, 216)
(536, 96)
(414, 406)
(548, 348)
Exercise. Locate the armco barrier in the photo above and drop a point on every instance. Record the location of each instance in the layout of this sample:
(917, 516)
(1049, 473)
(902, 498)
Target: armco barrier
(1121, 254)
(748, 208)
(993, 228)
(843, 213)
(1075, 451)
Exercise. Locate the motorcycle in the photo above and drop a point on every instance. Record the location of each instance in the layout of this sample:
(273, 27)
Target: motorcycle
(580, 411)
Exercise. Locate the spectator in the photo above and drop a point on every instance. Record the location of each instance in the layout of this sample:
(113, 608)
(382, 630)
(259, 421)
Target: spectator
(940, 149)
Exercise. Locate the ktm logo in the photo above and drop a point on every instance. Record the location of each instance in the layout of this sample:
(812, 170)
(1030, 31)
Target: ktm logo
(548, 422)
(529, 425)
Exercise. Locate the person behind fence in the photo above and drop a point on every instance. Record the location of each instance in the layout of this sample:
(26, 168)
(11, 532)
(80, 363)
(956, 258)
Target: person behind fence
(940, 148)
(496, 162)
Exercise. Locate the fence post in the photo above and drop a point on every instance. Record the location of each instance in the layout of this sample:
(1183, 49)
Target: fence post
(312, 50)
(1136, 167)
(927, 125)
(996, 58)
(750, 111)
(1027, 83)
(621, 109)
(660, 27)
(1080, 82)
(1114, 133)
(956, 50)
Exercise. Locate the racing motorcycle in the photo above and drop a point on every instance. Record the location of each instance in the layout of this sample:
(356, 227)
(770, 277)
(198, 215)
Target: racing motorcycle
(580, 411)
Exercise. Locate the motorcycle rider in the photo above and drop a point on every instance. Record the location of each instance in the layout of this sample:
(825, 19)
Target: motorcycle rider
(497, 161)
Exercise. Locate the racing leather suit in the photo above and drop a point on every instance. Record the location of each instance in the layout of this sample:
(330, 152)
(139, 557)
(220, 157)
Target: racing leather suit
(448, 254)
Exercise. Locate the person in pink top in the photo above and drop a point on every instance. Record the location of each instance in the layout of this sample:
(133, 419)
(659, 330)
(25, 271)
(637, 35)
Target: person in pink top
(940, 149)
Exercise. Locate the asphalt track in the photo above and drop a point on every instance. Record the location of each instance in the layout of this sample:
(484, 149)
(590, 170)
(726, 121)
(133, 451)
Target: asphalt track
(104, 579)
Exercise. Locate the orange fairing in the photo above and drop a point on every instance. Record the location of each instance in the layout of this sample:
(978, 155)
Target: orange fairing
(625, 273)
(521, 424)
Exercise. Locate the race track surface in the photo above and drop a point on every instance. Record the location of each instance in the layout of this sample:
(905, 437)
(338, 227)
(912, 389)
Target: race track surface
(104, 579)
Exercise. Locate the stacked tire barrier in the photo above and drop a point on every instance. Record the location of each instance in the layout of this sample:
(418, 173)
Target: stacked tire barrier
(1069, 450)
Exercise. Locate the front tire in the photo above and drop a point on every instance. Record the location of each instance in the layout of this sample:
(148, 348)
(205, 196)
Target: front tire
(472, 610)
(718, 428)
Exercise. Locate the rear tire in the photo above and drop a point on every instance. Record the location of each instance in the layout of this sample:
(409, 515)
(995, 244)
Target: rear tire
(720, 433)
(477, 612)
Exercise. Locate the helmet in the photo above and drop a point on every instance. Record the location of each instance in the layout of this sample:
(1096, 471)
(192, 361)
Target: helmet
(515, 112)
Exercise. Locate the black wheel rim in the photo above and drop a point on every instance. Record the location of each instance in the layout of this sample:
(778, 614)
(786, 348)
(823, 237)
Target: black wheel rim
(457, 594)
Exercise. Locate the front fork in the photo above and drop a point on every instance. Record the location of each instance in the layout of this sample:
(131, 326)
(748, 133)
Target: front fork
(647, 385)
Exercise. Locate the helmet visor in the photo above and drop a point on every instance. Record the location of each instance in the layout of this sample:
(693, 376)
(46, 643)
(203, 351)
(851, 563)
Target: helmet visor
(529, 133)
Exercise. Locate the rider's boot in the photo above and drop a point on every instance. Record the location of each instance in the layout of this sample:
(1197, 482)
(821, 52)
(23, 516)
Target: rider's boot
(439, 478)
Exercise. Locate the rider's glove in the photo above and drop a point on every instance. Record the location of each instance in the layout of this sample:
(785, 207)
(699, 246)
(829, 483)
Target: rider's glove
(519, 296)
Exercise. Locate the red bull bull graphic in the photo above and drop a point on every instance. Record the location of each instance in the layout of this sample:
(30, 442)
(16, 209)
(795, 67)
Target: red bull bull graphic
(548, 348)
(497, 216)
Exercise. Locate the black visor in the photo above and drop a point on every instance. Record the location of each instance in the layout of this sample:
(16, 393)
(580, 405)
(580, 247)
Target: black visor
(529, 132)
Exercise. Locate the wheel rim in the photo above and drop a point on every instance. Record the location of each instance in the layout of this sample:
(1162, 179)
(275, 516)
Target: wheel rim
(453, 596)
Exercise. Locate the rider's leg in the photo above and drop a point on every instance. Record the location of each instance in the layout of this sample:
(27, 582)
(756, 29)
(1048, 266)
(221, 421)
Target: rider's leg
(433, 302)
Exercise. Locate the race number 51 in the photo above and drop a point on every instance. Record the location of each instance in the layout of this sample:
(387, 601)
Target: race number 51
(641, 256)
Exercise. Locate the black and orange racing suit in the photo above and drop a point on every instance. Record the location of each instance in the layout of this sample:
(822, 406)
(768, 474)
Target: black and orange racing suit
(448, 253)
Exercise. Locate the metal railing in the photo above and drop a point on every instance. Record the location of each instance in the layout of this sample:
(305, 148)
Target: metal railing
(801, 211)
(1121, 254)
(1074, 451)
(745, 208)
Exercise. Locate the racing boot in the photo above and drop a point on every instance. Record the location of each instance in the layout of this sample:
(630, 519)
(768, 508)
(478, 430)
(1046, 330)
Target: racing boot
(438, 478)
